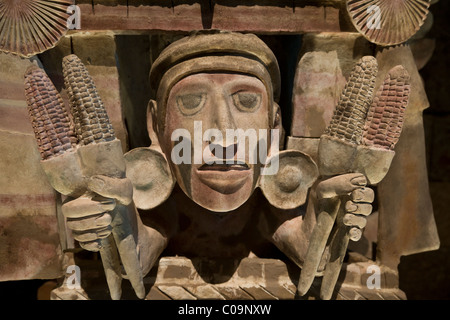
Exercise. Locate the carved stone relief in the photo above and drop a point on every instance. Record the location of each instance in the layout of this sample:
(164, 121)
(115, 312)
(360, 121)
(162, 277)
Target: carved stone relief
(220, 196)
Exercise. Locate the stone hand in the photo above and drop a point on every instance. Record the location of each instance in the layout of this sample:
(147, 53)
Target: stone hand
(345, 200)
(101, 221)
(356, 198)
(90, 216)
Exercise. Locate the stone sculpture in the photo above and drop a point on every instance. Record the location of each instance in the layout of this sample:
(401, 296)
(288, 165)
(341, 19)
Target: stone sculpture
(206, 86)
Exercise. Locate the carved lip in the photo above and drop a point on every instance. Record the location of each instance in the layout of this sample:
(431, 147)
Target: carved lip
(237, 165)
(224, 178)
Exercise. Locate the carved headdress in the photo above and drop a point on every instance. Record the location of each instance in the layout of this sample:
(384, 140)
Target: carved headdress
(214, 51)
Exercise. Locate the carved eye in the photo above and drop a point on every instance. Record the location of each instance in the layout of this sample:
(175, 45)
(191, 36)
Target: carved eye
(246, 101)
(190, 104)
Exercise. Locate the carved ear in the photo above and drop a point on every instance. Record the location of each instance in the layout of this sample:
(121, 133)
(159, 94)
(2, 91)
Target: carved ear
(276, 116)
(152, 124)
(150, 175)
(277, 122)
(288, 187)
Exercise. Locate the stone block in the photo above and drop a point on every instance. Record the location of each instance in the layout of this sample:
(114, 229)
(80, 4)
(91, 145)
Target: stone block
(206, 292)
(317, 87)
(30, 242)
(156, 294)
(176, 292)
(280, 292)
(248, 269)
(325, 61)
(310, 146)
(233, 293)
(258, 293)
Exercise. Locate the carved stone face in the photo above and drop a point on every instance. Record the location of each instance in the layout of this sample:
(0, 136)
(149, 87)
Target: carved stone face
(203, 108)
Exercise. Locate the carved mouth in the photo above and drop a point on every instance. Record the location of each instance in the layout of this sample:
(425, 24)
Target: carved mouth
(224, 178)
(237, 165)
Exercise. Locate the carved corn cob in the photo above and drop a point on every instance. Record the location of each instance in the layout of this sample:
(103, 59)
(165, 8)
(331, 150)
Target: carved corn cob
(101, 154)
(338, 144)
(361, 140)
(349, 117)
(91, 120)
(69, 165)
(337, 150)
(385, 117)
(50, 121)
(382, 130)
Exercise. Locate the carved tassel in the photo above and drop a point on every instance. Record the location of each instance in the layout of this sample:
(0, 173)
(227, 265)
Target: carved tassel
(349, 117)
(50, 121)
(386, 115)
(92, 124)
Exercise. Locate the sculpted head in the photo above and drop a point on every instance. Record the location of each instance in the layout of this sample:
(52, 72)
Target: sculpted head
(214, 108)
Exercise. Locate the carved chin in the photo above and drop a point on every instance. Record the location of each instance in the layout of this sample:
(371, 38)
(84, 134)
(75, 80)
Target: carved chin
(226, 182)
(221, 190)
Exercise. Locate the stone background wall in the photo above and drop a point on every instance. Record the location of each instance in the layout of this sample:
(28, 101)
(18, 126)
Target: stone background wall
(426, 275)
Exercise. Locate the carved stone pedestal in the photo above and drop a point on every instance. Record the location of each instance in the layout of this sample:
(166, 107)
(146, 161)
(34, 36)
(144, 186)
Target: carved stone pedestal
(179, 278)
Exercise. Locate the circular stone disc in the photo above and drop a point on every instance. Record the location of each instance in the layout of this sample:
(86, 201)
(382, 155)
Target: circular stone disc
(288, 188)
(150, 175)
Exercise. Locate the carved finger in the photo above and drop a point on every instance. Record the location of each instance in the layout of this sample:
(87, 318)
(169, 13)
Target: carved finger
(317, 244)
(85, 237)
(92, 235)
(120, 189)
(85, 207)
(355, 234)
(352, 220)
(363, 195)
(358, 208)
(93, 246)
(127, 248)
(102, 220)
(340, 185)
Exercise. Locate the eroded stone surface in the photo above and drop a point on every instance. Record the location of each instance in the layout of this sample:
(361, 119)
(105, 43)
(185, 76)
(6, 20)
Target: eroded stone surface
(30, 242)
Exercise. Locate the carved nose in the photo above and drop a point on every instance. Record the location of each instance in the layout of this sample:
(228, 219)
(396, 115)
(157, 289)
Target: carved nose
(228, 152)
(222, 115)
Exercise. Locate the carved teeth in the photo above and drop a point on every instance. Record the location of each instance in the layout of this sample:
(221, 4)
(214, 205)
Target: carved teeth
(386, 115)
(50, 121)
(91, 120)
(349, 117)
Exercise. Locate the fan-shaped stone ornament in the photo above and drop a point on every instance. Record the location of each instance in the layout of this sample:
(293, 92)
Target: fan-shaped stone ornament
(388, 22)
(29, 27)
